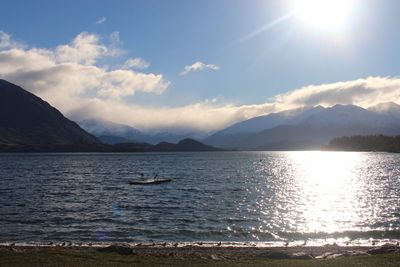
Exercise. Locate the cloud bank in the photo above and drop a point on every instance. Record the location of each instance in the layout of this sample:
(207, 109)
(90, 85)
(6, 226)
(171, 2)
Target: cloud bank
(69, 74)
(198, 66)
(210, 116)
(71, 78)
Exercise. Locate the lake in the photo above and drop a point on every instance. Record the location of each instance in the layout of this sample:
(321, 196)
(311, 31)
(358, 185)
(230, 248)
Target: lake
(235, 197)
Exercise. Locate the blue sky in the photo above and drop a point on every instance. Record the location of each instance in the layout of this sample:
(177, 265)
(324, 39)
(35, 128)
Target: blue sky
(173, 34)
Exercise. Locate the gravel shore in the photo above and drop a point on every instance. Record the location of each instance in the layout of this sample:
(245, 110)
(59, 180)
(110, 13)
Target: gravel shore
(197, 255)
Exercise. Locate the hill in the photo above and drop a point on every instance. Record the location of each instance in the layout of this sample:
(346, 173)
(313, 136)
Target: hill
(186, 145)
(28, 122)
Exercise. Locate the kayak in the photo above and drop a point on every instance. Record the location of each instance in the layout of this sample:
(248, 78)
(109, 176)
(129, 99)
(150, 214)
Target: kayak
(150, 182)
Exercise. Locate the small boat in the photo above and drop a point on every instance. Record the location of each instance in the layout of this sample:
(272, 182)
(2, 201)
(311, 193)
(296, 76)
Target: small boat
(150, 181)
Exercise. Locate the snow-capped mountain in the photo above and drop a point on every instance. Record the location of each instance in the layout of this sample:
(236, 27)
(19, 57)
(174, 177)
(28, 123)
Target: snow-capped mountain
(101, 128)
(113, 133)
(269, 121)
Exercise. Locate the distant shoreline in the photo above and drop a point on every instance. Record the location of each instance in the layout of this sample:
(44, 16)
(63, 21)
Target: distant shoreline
(367, 143)
(185, 145)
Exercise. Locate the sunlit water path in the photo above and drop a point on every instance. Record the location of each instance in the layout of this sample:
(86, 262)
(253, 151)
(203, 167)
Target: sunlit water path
(264, 197)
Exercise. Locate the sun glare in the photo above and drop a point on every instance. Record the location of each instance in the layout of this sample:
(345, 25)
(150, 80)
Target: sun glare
(329, 186)
(323, 14)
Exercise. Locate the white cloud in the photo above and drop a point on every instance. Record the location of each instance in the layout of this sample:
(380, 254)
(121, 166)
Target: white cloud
(70, 71)
(135, 63)
(84, 49)
(198, 66)
(70, 78)
(362, 92)
(101, 20)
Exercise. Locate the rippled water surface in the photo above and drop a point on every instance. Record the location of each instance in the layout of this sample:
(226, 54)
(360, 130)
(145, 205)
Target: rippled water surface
(227, 196)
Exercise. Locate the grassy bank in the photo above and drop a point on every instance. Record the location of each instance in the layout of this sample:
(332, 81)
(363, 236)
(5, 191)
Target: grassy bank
(91, 257)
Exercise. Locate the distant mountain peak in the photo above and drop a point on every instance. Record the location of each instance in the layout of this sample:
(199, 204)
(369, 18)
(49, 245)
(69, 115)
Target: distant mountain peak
(188, 141)
(346, 106)
(111, 130)
(268, 121)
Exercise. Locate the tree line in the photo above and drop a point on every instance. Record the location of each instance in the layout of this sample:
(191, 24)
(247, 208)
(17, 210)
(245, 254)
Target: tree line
(380, 143)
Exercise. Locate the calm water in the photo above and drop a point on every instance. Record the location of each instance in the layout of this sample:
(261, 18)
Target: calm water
(227, 196)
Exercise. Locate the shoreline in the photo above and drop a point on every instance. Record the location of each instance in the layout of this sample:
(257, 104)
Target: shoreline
(329, 242)
(143, 255)
(165, 249)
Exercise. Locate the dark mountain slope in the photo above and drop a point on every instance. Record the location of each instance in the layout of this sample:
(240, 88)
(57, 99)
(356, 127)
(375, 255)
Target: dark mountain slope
(28, 121)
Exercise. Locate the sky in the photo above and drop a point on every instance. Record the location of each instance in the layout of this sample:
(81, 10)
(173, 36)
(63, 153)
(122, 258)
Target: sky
(200, 65)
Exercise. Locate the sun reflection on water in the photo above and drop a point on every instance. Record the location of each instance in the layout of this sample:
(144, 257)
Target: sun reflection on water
(327, 188)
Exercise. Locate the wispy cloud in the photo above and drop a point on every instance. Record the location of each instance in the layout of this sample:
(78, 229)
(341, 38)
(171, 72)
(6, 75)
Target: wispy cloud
(198, 66)
(101, 20)
(6, 41)
(135, 63)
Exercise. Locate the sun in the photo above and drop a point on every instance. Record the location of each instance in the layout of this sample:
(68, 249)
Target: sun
(323, 14)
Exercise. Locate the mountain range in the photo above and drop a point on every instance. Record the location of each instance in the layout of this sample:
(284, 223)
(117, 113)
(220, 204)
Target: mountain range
(30, 124)
(113, 133)
(308, 128)
(304, 128)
